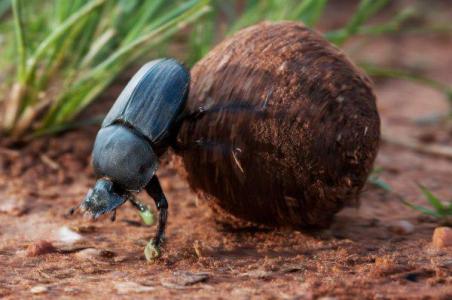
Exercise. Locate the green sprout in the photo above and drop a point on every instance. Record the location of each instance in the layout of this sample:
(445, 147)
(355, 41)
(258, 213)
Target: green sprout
(440, 210)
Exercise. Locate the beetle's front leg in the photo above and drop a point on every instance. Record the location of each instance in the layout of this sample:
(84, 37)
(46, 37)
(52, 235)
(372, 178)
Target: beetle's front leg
(153, 188)
(144, 211)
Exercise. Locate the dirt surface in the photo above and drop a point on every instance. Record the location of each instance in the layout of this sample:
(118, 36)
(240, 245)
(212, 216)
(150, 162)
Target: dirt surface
(363, 255)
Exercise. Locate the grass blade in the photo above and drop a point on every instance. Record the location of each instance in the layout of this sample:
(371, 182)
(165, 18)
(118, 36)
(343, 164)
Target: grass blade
(310, 11)
(93, 82)
(58, 32)
(377, 71)
(20, 37)
(12, 108)
(432, 199)
(366, 9)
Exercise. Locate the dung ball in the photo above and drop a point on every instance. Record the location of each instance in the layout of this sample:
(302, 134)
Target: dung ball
(290, 128)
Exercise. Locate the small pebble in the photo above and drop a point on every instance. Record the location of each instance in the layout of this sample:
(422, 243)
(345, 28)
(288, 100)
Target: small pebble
(244, 293)
(39, 289)
(182, 279)
(40, 248)
(13, 207)
(291, 268)
(94, 254)
(442, 237)
(402, 227)
(258, 274)
(68, 236)
(128, 287)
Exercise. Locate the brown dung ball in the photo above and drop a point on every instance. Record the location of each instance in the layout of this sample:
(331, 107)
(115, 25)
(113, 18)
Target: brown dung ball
(291, 128)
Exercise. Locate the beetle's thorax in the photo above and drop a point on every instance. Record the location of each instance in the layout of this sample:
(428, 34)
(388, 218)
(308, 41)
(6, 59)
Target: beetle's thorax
(125, 157)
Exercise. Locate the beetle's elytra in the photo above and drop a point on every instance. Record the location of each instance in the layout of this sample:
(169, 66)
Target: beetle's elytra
(307, 149)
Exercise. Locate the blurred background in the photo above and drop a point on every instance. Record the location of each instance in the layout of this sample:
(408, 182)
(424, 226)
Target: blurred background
(57, 57)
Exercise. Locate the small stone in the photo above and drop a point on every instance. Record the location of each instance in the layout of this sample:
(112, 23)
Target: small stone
(68, 236)
(120, 259)
(93, 254)
(71, 290)
(13, 207)
(181, 280)
(258, 274)
(244, 293)
(39, 289)
(291, 268)
(442, 237)
(89, 254)
(128, 287)
(40, 248)
(402, 227)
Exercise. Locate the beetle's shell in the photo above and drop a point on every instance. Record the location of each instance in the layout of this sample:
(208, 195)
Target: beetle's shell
(306, 150)
(152, 99)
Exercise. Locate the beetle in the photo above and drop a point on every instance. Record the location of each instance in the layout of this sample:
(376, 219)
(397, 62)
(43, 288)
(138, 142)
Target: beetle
(137, 130)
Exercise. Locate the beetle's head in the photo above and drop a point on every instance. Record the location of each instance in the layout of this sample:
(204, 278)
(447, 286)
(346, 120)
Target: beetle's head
(102, 198)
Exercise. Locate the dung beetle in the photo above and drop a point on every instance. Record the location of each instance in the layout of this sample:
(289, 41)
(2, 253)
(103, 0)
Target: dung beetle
(137, 130)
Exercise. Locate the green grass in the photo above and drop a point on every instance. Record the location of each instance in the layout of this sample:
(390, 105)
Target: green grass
(439, 209)
(69, 52)
(58, 61)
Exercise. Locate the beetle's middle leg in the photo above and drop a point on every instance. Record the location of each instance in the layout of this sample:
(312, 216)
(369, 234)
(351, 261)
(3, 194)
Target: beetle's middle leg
(154, 190)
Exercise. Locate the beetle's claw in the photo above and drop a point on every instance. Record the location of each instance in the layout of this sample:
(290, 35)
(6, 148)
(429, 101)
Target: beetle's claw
(152, 251)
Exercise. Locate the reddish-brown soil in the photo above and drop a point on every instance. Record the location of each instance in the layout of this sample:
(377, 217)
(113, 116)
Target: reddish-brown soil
(361, 256)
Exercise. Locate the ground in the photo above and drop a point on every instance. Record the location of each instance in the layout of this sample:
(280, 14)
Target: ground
(363, 255)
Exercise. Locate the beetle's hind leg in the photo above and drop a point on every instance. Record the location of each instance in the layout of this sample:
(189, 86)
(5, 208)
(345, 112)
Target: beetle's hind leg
(152, 250)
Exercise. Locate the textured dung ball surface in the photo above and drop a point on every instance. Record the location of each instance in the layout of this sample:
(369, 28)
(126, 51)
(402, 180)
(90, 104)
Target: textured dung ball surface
(298, 132)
